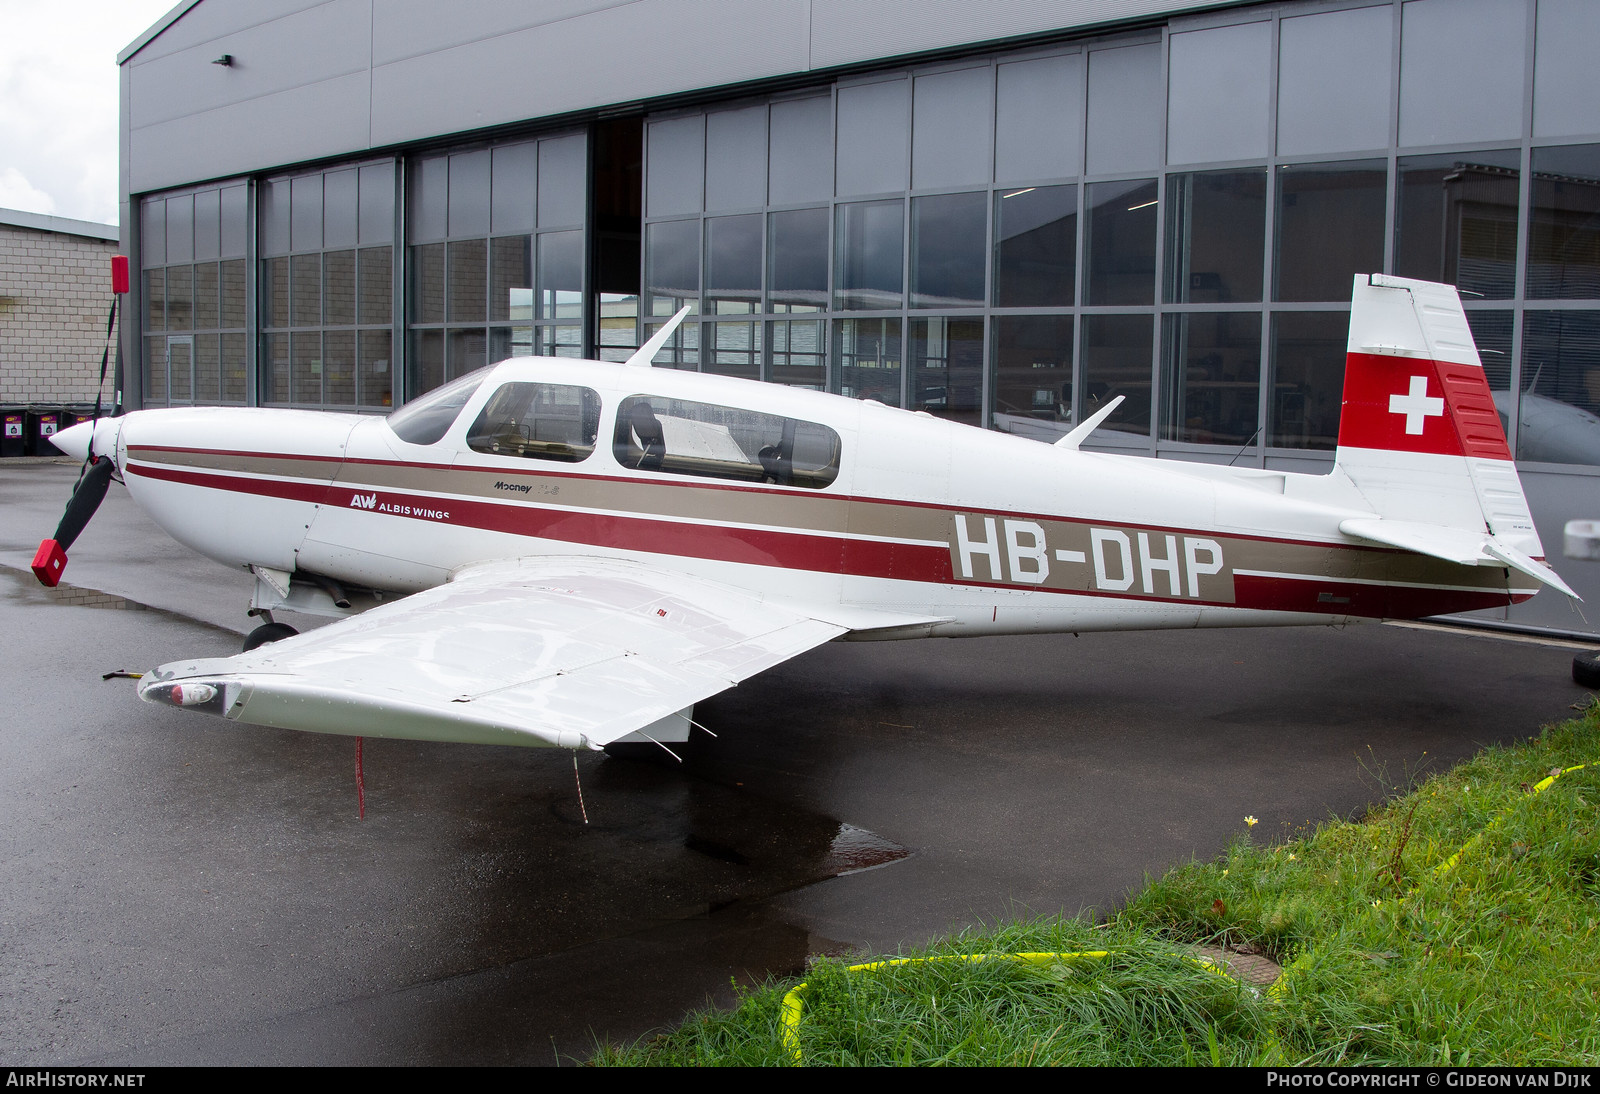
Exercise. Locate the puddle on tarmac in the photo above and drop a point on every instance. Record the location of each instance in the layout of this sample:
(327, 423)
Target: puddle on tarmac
(856, 849)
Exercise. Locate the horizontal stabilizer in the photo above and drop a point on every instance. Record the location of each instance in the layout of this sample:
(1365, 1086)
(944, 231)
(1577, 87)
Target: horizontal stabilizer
(1466, 548)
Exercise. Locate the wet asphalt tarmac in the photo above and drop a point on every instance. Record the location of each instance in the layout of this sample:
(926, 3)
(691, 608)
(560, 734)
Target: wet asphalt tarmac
(179, 890)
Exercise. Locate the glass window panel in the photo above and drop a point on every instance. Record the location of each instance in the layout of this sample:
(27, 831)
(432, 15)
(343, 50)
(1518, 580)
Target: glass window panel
(799, 353)
(339, 288)
(180, 370)
(180, 229)
(1116, 361)
(1334, 84)
(233, 368)
(305, 213)
(1461, 70)
(232, 303)
(426, 367)
(207, 225)
(339, 192)
(947, 243)
(376, 187)
(870, 253)
(466, 350)
(1329, 226)
(563, 165)
(467, 279)
(305, 291)
(180, 297)
(1218, 89)
(1558, 418)
(675, 162)
(153, 232)
(305, 367)
(561, 275)
(511, 279)
(1126, 108)
(953, 114)
(339, 368)
(619, 326)
(1211, 377)
(274, 369)
(507, 342)
(1564, 250)
(375, 285)
(867, 359)
(1308, 350)
(1035, 247)
(429, 182)
(798, 260)
(1491, 333)
(734, 349)
(374, 370)
(873, 138)
(469, 193)
(559, 340)
(274, 201)
(538, 421)
(1039, 119)
(205, 297)
(1120, 238)
(1566, 96)
(733, 263)
(672, 265)
(1033, 375)
(275, 292)
(686, 438)
(155, 299)
(427, 285)
(736, 146)
(947, 368)
(801, 151)
(514, 187)
(1216, 233)
(235, 221)
(207, 368)
(681, 351)
(155, 371)
(1457, 220)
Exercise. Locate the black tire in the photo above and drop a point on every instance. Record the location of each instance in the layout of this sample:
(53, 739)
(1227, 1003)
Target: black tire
(1586, 670)
(268, 632)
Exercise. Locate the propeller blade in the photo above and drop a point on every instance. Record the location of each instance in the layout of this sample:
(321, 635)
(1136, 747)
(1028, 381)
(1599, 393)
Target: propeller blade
(85, 500)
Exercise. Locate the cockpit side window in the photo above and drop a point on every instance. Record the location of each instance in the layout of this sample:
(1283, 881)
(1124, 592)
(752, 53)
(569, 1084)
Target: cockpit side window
(679, 437)
(426, 419)
(538, 421)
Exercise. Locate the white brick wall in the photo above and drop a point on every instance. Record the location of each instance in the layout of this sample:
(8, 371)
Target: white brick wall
(55, 294)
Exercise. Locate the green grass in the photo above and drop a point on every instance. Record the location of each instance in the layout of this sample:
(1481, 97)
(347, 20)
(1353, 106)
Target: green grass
(1393, 954)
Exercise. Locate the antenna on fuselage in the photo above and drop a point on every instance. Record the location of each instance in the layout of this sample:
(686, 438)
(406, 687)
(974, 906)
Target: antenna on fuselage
(647, 352)
(1081, 431)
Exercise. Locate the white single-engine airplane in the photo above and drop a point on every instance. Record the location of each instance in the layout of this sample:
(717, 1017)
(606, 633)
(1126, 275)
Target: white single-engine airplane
(574, 553)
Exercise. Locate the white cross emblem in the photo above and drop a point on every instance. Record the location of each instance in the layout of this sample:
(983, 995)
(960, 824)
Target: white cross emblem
(1416, 406)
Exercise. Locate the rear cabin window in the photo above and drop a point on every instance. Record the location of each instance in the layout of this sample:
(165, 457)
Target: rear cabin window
(538, 422)
(723, 442)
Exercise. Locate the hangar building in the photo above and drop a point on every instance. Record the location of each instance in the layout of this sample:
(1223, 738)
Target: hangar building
(1002, 213)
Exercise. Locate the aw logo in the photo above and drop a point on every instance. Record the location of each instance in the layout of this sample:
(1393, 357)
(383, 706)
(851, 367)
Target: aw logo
(363, 501)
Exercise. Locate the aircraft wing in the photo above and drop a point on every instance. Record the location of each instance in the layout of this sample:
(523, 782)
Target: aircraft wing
(572, 652)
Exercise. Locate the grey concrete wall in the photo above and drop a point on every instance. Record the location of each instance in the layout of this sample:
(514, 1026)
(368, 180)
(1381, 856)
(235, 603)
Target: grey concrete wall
(55, 294)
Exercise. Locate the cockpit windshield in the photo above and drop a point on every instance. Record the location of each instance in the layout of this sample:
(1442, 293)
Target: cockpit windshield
(426, 419)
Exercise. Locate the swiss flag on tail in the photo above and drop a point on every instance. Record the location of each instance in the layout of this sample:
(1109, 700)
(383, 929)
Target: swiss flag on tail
(1419, 404)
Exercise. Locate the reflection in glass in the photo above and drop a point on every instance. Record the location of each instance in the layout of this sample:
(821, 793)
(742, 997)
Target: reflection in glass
(274, 368)
(561, 275)
(1491, 333)
(1033, 375)
(155, 371)
(733, 264)
(1457, 220)
(869, 252)
(305, 363)
(947, 367)
(798, 353)
(1035, 247)
(305, 290)
(867, 356)
(180, 369)
(1116, 361)
(233, 368)
(207, 368)
(559, 340)
(180, 297)
(339, 288)
(1211, 377)
(232, 305)
(155, 300)
(672, 274)
(682, 350)
(467, 280)
(1564, 247)
(1120, 239)
(735, 349)
(1558, 418)
(1216, 232)
(1308, 351)
(339, 368)
(511, 278)
(425, 370)
(205, 296)
(1330, 227)
(798, 260)
(466, 350)
(947, 241)
(427, 284)
(375, 288)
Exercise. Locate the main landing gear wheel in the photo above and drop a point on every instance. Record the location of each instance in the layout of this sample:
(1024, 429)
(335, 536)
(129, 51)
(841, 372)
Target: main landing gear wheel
(268, 632)
(1586, 670)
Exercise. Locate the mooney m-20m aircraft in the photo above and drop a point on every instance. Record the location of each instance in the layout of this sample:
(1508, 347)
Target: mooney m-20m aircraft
(574, 553)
